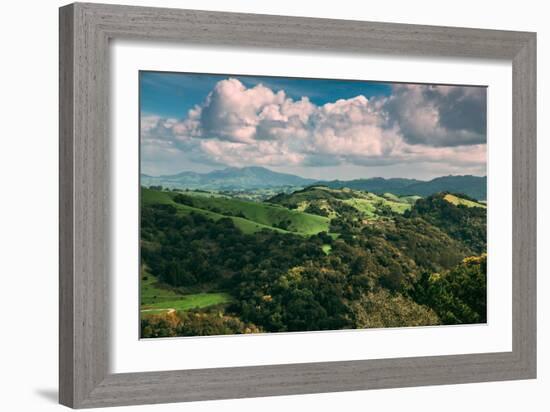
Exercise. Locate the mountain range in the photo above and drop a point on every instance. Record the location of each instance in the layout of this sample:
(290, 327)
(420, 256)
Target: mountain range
(248, 178)
(473, 186)
(231, 178)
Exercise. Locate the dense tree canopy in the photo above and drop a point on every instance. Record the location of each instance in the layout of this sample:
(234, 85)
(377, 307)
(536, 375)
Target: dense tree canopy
(418, 268)
(466, 224)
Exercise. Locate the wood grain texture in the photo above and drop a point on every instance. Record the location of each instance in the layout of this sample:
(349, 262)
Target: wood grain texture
(66, 228)
(85, 31)
(524, 225)
(84, 142)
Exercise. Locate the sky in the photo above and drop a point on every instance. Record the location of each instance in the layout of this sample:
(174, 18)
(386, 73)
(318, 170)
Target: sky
(316, 128)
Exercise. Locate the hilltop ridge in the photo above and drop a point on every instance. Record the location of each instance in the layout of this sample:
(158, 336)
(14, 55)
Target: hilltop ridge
(255, 177)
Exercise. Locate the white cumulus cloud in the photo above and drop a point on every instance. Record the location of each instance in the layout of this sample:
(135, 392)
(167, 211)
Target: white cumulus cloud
(240, 126)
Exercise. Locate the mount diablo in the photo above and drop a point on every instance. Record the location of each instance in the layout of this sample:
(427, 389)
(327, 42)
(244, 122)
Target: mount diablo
(231, 178)
(249, 178)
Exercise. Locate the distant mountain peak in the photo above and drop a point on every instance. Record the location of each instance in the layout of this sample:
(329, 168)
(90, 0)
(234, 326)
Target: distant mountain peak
(229, 178)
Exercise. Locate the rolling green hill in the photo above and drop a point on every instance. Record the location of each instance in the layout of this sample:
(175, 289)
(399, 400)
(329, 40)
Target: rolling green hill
(332, 202)
(249, 216)
(456, 200)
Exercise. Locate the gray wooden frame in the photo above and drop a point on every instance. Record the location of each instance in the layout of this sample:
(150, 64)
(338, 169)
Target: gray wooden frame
(85, 31)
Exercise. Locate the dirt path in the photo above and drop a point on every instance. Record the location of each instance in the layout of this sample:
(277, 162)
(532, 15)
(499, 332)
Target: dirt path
(168, 311)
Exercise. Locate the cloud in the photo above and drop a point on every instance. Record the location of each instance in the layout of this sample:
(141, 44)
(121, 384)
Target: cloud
(238, 114)
(439, 115)
(239, 126)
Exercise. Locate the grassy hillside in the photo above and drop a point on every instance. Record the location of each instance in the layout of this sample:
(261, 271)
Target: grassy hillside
(331, 202)
(371, 204)
(410, 199)
(156, 299)
(186, 302)
(248, 216)
(376, 184)
(456, 200)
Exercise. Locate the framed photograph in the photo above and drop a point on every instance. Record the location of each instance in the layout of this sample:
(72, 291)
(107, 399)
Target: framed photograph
(256, 205)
